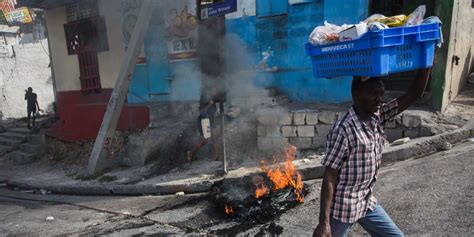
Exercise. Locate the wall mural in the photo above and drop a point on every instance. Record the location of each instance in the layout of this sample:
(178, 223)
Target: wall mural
(182, 33)
(130, 10)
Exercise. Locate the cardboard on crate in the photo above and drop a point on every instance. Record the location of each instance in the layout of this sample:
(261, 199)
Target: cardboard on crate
(352, 33)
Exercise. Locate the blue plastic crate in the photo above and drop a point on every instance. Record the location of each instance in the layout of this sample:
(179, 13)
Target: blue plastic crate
(377, 53)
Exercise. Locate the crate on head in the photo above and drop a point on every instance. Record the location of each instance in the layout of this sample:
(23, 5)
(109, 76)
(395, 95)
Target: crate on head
(377, 53)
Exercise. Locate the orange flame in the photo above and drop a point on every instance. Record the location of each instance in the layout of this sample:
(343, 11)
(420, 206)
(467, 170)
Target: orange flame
(228, 209)
(283, 175)
(261, 190)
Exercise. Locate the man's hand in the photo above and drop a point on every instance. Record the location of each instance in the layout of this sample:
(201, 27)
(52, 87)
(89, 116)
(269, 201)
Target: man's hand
(323, 230)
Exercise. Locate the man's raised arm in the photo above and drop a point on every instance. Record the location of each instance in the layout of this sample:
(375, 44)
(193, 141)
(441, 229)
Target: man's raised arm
(415, 91)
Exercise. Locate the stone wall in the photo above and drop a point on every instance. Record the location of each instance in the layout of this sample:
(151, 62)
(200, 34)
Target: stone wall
(308, 129)
(304, 129)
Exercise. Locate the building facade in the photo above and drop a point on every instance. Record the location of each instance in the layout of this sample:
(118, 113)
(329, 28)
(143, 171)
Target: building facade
(261, 41)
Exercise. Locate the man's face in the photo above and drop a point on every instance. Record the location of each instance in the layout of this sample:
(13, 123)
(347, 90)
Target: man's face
(370, 97)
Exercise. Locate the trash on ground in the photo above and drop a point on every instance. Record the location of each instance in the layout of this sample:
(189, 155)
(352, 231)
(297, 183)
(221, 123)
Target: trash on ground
(180, 194)
(446, 146)
(400, 141)
(50, 218)
(471, 139)
(44, 192)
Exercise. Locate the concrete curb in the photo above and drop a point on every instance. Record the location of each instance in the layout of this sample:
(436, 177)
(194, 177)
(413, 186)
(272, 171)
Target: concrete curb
(120, 190)
(425, 145)
(309, 169)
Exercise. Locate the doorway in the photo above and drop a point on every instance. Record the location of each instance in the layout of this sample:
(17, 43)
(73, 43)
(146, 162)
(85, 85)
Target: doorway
(86, 38)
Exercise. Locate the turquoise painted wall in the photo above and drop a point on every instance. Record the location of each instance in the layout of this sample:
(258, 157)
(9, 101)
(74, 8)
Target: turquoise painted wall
(159, 79)
(286, 35)
(284, 31)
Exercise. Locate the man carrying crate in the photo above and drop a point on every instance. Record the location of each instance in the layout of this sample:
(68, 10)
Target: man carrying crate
(353, 152)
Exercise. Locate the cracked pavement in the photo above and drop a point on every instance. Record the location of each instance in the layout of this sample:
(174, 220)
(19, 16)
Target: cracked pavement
(426, 196)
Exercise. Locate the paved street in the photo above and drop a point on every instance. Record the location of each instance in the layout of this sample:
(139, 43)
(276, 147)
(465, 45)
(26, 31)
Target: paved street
(427, 196)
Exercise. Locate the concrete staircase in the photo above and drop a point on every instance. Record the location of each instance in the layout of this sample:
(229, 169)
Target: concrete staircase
(21, 145)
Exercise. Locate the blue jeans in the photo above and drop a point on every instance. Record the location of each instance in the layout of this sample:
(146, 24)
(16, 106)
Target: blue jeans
(376, 223)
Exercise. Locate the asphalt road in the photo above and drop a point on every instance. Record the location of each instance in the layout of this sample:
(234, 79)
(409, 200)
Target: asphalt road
(430, 196)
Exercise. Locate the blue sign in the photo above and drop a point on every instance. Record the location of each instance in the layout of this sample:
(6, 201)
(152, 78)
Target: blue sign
(218, 9)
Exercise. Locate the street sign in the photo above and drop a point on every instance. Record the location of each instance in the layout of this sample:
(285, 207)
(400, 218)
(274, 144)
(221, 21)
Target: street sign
(217, 9)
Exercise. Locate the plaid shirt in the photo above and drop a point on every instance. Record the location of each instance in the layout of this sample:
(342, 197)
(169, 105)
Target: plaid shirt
(355, 150)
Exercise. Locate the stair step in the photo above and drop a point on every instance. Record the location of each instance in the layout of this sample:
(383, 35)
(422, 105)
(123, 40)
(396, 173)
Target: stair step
(35, 139)
(25, 131)
(4, 149)
(30, 148)
(22, 158)
(14, 136)
(9, 142)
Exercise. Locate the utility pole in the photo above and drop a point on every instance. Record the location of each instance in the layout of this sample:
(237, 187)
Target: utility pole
(117, 99)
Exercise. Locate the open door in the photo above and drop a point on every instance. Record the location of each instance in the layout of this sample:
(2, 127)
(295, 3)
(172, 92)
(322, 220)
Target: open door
(460, 50)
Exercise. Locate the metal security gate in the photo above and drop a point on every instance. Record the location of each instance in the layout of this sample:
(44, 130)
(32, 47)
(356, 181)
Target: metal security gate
(89, 71)
(86, 38)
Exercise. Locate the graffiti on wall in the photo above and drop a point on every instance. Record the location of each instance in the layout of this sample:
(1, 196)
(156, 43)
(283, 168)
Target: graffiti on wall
(129, 11)
(182, 33)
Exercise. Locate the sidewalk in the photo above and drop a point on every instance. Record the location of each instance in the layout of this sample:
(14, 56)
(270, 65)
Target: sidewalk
(200, 178)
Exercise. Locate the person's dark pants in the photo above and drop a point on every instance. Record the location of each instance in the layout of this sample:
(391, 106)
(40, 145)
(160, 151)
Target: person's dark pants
(31, 113)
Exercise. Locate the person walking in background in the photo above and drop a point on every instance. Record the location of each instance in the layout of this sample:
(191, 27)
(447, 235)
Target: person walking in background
(32, 105)
(207, 124)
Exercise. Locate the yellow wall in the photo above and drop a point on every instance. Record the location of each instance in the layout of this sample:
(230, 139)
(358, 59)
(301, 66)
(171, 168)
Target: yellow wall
(66, 67)
(111, 61)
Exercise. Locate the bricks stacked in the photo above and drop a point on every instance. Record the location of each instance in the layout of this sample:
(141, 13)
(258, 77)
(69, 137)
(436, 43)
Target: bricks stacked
(309, 129)
(303, 129)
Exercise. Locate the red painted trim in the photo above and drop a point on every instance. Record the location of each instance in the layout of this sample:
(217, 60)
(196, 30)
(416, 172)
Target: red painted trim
(80, 116)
